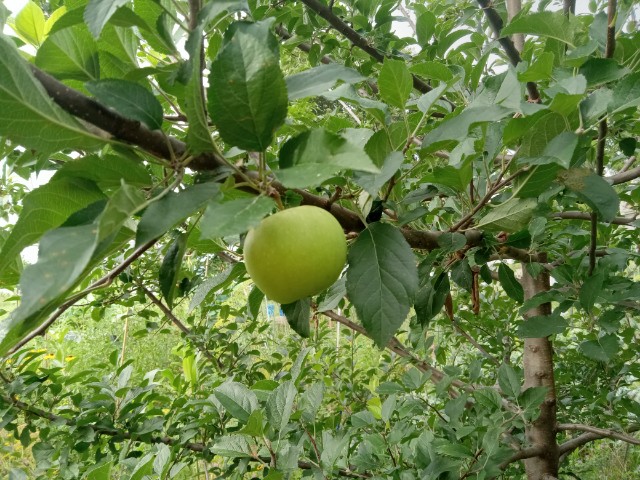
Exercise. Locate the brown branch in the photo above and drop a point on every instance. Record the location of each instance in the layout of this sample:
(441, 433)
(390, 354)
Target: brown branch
(601, 432)
(105, 281)
(602, 131)
(571, 215)
(624, 176)
(355, 38)
(628, 164)
(522, 455)
(569, 6)
(507, 44)
(181, 326)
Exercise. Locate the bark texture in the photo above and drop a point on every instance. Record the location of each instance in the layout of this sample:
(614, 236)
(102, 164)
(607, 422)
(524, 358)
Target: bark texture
(538, 372)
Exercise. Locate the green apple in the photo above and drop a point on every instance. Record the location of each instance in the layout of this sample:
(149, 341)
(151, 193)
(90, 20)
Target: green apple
(295, 253)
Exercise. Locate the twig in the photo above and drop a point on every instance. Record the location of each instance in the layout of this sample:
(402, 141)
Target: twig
(628, 164)
(522, 455)
(474, 342)
(507, 44)
(602, 131)
(571, 215)
(592, 433)
(181, 326)
(101, 283)
(624, 176)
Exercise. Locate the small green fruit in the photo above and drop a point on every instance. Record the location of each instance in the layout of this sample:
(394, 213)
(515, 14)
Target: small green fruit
(295, 253)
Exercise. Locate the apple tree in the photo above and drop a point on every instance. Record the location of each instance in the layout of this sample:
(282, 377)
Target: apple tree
(480, 158)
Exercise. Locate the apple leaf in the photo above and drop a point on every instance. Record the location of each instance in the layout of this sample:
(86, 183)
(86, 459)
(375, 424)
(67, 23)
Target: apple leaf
(382, 280)
(129, 99)
(98, 12)
(233, 446)
(510, 284)
(29, 23)
(71, 54)
(298, 314)
(172, 208)
(510, 216)
(170, 268)
(237, 399)
(317, 155)
(546, 24)
(247, 96)
(280, 406)
(108, 171)
(317, 80)
(594, 190)
(234, 217)
(26, 108)
(603, 349)
(395, 82)
(45, 208)
(373, 182)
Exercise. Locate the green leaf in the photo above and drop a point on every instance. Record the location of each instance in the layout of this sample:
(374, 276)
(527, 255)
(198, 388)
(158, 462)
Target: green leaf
(237, 399)
(45, 208)
(215, 283)
(317, 80)
(108, 171)
(316, 155)
(594, 190)
(99, 472)
(170, 268)
(532, 397)
(70, 54)
(510, 284)
(128, 99)
(590, 290)
(334, 295)
(165, 213)
(235, 216)
(540, 69)
(457, 178)
(348, 93)
(98, 12)
(602, 70)
(545, 24)
(247, 96)
(431, 297)
(382, 280)
(510, 216)
(626, 94)
(254, 427)
(426, 101)
(143, 468)
(542, 326)
(373, 182)
(298, 314)
(280, 406)
(254, 302)
(395, 82)
(65, 254)
(433, 70)
(26, 108)
(559, 151)
(455, 128)
(29, 24)
(233, 446)
(603, 349)
(451, 242)
(509, 381)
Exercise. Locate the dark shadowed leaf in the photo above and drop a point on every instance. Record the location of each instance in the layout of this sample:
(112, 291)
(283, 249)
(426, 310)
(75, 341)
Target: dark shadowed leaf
(594, 189)
(603, 349)
(510, 284)
(298, 314)
(170, 268)
(382, 280)
(542, 326)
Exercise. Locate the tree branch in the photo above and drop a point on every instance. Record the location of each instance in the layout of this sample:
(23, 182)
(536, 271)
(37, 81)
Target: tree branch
(101, 283)
(355, 38)
(594, 431)
(571, 215)
(522, 455)
(602, 131)
(625, 176)
(507, 44)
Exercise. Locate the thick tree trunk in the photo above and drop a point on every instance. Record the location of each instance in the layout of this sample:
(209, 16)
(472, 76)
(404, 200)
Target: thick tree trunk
(538, 372)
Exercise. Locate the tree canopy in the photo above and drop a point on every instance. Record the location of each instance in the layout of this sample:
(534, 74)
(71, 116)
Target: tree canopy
(480, 158)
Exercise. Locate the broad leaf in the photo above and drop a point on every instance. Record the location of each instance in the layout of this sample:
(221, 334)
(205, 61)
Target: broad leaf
(170, 268)
(510, 216)
(547, 24)
(129, 100)
(317, 155)
(165, 213)
(237, 399)
(235, 216)
(280, 406)
(108, 171)
(594, 190)
(215, 283)
(626, 94)
(510, 284)
(542, 326)
(318, 80)
(373, 182)
(395, 82)
(590, 290)
(382, 280)
(603, 349)
(234, 446)
(98, 12)
(247, 96)
(45, 208)
(29, 24)
(70, 54)
(508, 381)
(25, 108)
(298, 314)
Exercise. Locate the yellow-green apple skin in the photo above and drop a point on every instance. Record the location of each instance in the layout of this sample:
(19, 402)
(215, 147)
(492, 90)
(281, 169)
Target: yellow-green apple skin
(295, 253)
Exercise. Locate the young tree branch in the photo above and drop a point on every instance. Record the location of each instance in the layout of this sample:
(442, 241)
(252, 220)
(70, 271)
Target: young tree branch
(101, 283)
(602, 131)
(624, 176)
(507, 44)
(571, 215)
(600, 432)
